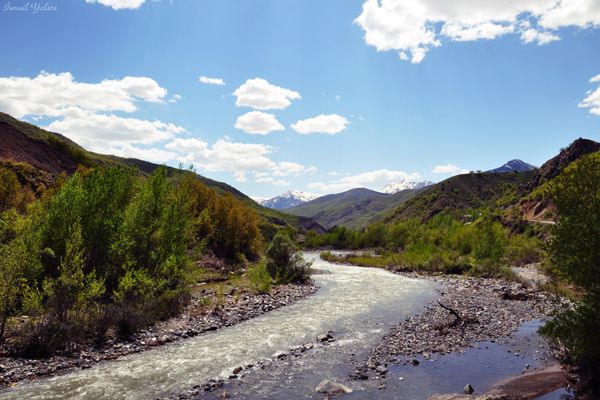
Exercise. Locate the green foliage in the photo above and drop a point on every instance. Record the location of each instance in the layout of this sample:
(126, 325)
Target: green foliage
(575, 252)
(13, 264)
(442, 244)
(223, 225)
(9, 189)
(284, 263)
(259, 277)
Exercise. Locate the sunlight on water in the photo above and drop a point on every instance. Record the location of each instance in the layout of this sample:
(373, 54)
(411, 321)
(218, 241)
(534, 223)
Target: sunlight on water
(351, 301)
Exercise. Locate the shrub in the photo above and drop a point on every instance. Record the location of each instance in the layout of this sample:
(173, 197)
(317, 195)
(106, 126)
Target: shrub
(284, 264)
(259, 277)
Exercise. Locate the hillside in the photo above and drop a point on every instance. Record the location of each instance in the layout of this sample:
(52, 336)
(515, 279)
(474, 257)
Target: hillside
(50, 154)
(355, 208)
(519, 193)
(536, 206)
(464, 192)
(513, 166)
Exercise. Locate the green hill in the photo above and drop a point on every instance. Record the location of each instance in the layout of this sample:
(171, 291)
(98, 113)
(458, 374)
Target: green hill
(355, 208)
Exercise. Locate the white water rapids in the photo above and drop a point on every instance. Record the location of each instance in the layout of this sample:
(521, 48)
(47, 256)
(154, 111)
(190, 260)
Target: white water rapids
(358, 304)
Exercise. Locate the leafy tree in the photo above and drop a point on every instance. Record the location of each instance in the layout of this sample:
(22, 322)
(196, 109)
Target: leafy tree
(13, 264)
(284, 263)
(575, 252)
(9, 189)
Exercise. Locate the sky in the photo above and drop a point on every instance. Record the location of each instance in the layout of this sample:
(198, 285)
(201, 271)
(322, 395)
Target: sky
(313, 95)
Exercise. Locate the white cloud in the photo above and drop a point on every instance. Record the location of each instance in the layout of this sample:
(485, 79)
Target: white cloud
(329, 124)
(261, 95)
(372, 180)
(211, 81)
(119, 4)
(533, 35)
(53, 94)
(592, 100)
(152, 154)
(414, 27)
(97, 132)
(258, 123)
(449, 169)
(175, 99)
(272, 181)
(286, 168)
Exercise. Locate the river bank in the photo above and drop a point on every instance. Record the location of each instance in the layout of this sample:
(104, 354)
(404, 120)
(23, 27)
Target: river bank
(207, 311)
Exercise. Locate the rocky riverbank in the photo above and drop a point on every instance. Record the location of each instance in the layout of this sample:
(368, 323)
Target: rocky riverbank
(468, 311)
(207, 311)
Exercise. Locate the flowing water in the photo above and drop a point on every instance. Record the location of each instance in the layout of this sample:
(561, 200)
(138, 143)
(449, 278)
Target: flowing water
(358, 304)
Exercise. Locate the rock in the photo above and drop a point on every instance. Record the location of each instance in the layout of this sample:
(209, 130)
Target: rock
(237, 370)
(469, 389)
(308, 346)
(381, 370)
(324, 338)
(414, 362)
(280, 355)
(328, 387)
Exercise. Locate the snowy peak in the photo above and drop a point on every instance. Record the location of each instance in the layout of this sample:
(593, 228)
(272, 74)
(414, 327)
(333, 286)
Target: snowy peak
(405, 184)
(513, 166)
(289, 199)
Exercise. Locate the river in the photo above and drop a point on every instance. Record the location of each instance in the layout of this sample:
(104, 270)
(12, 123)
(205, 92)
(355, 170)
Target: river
(357, 304)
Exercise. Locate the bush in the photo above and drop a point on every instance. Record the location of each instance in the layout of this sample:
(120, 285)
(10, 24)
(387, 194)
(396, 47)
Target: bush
(259, 277)
(284, 264)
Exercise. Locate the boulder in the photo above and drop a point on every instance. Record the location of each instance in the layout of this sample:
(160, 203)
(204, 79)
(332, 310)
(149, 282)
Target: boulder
(329, 387)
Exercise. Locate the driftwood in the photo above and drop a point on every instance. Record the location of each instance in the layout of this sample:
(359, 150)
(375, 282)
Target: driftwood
(459, 320)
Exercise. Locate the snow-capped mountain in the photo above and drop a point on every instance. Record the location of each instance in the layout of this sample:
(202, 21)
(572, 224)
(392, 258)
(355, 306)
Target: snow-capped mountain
(513, 166)
(289, 199)
(405, 184)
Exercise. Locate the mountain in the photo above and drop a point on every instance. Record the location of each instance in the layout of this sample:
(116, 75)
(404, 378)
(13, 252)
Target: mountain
(39, 157)
(405, 184)
(513, 166)
(287, 200)
(355, 208)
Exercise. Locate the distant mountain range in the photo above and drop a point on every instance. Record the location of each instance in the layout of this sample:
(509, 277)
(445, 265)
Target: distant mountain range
(513, 166)
(289, 199)
(405, 184)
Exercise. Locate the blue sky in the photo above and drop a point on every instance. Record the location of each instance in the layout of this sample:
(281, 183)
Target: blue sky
(412, 88)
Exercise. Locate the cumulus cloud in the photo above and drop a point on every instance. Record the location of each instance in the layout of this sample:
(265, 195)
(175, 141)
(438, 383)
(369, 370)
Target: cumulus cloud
(592, 100)
(261, 95)
(211, 81)
(119, 4)
(258, 123)
(152, 154)
(371, 179)
(449, 169)
(414, 27)
(286, 168)
(52, 95)
(97, 132)
(534, 36)
(328, 124)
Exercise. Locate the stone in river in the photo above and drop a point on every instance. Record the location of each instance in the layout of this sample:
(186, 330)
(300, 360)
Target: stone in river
(469, 389)
(328, 387)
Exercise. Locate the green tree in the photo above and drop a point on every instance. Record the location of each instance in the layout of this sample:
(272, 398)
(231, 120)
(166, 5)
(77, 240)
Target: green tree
(284, 263)
(575, 252)
(9, 189)
(13, 264)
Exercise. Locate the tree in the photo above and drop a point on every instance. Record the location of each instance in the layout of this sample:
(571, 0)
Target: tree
(9, 189)
(575, 252)
(284, 264)
(13, 264)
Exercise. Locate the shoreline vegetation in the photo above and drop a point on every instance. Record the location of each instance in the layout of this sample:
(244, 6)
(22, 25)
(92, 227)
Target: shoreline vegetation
(108, 255)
